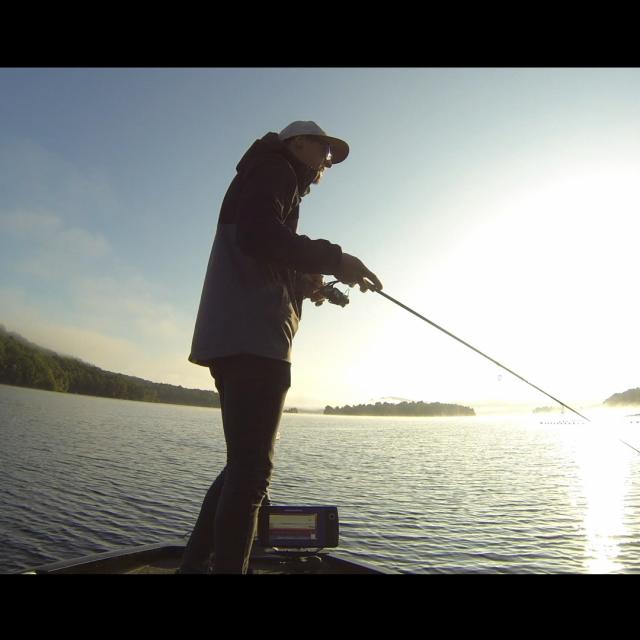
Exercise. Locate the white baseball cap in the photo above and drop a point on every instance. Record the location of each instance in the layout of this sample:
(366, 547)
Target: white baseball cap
(339, 148)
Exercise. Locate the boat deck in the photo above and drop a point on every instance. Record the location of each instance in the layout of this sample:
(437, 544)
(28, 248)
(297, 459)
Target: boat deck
(165, 558)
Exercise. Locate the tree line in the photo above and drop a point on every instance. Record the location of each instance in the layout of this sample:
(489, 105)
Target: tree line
(25, 364)
(401, 409)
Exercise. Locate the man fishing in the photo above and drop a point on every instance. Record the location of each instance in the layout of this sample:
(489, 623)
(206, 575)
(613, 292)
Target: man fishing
(259, 272)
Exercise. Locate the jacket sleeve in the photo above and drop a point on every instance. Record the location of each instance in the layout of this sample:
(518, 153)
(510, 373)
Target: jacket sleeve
(262, 233)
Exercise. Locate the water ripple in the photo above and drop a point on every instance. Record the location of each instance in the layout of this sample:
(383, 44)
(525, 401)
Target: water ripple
(83, 475)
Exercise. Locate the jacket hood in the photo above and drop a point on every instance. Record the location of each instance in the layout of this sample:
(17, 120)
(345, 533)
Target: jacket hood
(270, 145)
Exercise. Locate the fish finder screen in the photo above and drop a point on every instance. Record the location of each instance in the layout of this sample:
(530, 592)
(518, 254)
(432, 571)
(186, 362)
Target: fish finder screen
(293, 526)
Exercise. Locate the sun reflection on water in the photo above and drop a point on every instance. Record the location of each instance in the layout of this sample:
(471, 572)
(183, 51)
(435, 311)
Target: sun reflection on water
(604, 464)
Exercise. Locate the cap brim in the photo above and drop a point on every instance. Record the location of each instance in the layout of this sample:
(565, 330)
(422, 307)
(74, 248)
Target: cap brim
(339, 148)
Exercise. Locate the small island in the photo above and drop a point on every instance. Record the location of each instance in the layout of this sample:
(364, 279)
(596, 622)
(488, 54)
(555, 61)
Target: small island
(292, 410)
(548, 410)
(411, 409)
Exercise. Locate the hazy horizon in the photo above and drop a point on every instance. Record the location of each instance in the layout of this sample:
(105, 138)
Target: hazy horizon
(481, 408)
(503, 204)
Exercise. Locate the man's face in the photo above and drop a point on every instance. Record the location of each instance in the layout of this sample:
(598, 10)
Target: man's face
(315, 153)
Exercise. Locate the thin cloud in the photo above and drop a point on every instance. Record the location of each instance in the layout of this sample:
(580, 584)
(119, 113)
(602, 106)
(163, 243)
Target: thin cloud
(48, 247)
(29, 223)
(32, 175)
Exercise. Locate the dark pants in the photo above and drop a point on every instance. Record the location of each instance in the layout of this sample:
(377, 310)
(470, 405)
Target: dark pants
(252, 393)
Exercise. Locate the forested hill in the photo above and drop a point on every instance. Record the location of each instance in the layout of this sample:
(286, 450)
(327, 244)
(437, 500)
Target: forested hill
(401, 409)
(25, 364)
(628, 397)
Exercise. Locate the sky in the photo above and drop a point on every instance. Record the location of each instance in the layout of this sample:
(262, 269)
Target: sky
(502, 204)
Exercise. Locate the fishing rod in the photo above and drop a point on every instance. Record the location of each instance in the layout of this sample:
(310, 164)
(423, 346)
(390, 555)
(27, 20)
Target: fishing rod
(337, 297)
(466, 344)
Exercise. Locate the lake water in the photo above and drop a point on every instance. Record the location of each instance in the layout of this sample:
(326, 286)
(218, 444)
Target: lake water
(84, 475)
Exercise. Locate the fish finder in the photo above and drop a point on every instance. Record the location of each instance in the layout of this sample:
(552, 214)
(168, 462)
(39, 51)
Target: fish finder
(298, 527)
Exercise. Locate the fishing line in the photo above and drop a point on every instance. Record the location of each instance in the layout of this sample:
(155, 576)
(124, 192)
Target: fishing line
(466, 344)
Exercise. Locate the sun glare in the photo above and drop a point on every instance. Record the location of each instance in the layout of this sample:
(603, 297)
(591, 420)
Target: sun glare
(604, 465)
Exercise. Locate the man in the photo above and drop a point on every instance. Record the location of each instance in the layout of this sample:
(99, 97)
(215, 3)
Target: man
(259, 271)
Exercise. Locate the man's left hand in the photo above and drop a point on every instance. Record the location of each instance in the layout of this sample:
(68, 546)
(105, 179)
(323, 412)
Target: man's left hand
(311, 283)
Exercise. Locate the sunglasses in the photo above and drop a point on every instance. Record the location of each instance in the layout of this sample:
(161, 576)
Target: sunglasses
(327, 152)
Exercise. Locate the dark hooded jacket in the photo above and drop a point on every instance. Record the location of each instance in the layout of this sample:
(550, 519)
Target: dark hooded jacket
(251, 300)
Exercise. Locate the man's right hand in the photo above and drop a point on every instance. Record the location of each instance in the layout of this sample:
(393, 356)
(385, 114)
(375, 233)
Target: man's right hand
(353, 271)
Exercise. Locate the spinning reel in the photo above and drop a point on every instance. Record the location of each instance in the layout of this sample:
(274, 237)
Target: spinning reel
(333, 295)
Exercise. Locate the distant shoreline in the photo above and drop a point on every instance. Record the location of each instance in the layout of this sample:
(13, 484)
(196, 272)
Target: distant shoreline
(91, 395)
(28, 365)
